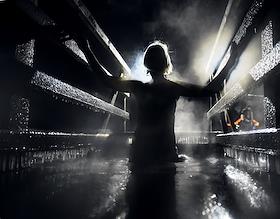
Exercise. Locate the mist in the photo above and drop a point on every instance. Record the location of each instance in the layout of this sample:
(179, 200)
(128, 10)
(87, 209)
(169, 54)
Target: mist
(190, 116)
(189, 28)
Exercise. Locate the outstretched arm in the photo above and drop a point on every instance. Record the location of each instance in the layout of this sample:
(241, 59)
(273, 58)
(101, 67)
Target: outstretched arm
(192, 90)
(113, 82)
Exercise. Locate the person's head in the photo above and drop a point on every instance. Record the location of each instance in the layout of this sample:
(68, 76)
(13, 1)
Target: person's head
(157, 59)
(247, 113)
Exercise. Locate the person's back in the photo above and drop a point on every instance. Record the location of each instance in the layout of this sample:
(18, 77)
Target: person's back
(154, 137)
(156, 103)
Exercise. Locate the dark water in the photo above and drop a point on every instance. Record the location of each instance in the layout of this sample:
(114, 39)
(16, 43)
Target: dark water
(202, 187)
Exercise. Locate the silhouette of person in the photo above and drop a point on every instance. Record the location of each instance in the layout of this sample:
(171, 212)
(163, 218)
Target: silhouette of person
(154, 140)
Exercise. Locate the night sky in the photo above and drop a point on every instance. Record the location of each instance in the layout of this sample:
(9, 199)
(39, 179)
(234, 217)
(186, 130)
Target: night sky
(189, 27)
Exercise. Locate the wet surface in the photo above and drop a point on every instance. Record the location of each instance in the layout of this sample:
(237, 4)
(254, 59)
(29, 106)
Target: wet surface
(201, 187)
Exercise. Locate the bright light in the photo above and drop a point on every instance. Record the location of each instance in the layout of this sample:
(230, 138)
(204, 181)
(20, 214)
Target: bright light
(224, 61)
(223, 23)
(202, 55)
(138, 70)
(103, 135)
(247, 60)
(130, 140)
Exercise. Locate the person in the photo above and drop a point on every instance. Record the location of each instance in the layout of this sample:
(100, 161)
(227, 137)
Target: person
(154, 139)
(246, 121)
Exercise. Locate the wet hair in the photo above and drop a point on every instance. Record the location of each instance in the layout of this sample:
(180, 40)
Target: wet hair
(157, 59)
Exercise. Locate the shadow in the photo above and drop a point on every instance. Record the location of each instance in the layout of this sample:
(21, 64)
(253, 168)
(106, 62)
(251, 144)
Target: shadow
(151, 193)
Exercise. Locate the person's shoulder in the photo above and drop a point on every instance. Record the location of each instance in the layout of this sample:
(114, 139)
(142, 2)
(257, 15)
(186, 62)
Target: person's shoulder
(136, 85)
(174, 83)
(136, 82)
(170, 87)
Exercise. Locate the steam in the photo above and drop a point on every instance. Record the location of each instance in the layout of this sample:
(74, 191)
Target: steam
(191, 29)
(190, 116)
(138, 70)
(247, 60)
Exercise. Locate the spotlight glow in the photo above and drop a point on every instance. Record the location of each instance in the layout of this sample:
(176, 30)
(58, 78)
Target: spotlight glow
(138, 70)
(219, 33)
(129, 140)
(102, 135)
(250, 56)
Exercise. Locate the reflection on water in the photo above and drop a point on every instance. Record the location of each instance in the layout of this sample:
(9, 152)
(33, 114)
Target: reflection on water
(214, 209)
(248, 186)
(113, 189)
(152, 194)
(204, 186)
(73, 189)
(257, 159)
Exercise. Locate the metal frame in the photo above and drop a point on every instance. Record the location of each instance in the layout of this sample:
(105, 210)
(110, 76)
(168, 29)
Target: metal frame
(93, 26)
(56, 86)
(270, 59)
(24, 56)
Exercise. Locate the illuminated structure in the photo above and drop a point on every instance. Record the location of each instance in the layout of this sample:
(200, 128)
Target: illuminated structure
(54, 108)
(49, 80)
(38, 63)
(258, 84)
